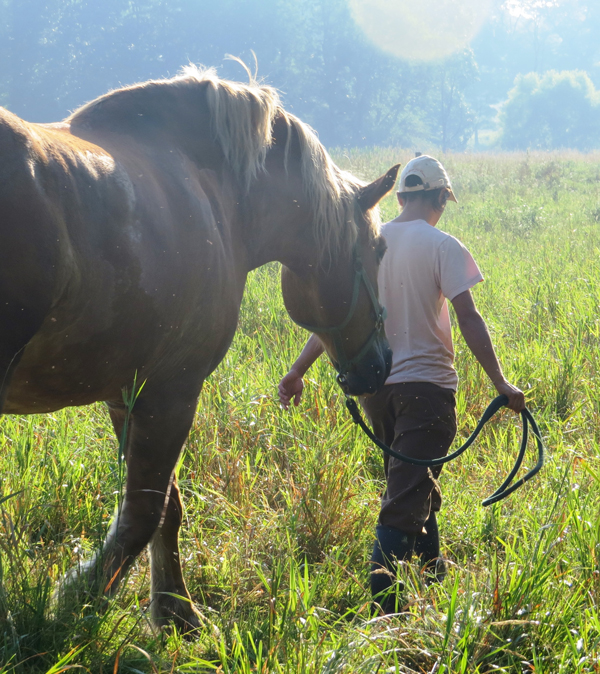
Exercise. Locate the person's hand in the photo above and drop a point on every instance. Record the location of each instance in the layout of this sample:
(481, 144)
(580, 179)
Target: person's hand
(516, 398)
(291, 386)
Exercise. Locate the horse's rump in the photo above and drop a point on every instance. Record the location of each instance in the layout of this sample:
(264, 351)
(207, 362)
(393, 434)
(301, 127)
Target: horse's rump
(103, 268)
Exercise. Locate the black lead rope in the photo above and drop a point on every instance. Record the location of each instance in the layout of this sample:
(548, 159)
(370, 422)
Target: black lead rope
(501, 401)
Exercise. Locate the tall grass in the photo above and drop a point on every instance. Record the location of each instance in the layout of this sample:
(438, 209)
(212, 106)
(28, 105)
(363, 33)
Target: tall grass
(281, 506)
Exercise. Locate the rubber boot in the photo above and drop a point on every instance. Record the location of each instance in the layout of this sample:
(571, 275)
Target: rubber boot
(427, 547)
(391, 546)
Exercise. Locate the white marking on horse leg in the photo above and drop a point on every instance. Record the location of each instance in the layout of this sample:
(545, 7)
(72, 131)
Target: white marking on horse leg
(89, 575)
(102, 573)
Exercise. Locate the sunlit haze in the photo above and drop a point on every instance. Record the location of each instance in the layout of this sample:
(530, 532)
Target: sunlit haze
(528, 9)
(425, 30)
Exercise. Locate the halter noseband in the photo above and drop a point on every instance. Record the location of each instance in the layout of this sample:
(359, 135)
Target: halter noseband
(343, 364)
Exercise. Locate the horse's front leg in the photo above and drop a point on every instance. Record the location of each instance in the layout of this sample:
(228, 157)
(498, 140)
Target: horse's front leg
(151, 510)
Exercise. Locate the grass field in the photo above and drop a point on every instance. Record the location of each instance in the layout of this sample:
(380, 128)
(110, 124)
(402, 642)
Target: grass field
(281, 507)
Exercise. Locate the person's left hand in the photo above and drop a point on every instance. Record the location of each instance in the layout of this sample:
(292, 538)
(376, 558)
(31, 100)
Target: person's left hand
(516, 397)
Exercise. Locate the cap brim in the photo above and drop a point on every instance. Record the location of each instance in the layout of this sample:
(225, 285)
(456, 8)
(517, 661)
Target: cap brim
(452, 197)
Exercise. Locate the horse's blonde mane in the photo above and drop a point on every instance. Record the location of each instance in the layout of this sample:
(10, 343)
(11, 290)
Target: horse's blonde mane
(242, 117)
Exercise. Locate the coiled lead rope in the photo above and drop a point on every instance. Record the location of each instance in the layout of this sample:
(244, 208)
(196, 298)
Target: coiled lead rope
(501, 401)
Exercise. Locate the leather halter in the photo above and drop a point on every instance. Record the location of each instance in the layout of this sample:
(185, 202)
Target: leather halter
(343, 364)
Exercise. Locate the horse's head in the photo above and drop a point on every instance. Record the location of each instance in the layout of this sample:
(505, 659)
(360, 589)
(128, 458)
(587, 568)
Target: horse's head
(334, 294)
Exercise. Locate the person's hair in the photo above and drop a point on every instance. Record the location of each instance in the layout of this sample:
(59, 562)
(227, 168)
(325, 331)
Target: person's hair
(436, 198)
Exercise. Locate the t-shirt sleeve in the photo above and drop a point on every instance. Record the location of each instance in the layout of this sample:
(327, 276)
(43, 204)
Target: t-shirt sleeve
(457, 269)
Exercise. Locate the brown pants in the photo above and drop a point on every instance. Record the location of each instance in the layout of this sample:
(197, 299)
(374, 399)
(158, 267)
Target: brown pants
(417, 419)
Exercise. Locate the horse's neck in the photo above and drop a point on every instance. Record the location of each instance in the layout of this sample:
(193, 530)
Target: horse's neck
(278, 234)
(265, 221)
(149, 112)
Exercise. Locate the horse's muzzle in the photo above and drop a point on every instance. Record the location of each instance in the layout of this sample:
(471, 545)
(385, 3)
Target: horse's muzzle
(369, 375)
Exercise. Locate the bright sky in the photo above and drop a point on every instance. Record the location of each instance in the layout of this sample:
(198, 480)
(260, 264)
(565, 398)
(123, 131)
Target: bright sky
(421, 30)
(528, 9)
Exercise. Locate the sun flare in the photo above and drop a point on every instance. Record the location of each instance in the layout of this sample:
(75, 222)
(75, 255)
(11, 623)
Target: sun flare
(420, 30)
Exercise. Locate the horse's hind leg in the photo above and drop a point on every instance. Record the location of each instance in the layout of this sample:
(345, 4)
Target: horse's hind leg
(15, 333)
(155, 436)
(29, 262)
(170, 598)
(8, 364)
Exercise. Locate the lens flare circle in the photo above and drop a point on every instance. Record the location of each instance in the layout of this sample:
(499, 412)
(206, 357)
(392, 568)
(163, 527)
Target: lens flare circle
(420, 30)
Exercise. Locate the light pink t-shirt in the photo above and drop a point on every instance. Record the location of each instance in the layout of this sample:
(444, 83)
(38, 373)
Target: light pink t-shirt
(421, 268)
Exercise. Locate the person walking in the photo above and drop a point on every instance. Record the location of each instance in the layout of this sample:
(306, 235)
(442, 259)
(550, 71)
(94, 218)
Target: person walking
(415, 411)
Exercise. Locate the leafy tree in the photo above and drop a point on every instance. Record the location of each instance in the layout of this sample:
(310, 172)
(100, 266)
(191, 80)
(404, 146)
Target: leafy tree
(456, 119)
(525, 36)
(555, 110)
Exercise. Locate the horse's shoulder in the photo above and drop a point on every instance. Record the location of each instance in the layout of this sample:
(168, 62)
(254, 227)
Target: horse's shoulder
(220, 195)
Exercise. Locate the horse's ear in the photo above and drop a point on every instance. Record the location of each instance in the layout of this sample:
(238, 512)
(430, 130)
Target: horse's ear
(370, 195)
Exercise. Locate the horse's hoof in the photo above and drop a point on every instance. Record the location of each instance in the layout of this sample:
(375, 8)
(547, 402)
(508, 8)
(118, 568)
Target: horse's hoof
(179, 611)
(78, 590)
(189, 626)
(76, 585)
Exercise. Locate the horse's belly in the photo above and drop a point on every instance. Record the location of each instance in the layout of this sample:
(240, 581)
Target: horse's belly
(34, 400)
(50, 378)
(65, 368)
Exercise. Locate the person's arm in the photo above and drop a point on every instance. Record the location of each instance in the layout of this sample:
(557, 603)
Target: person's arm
(477, 337)
(292, 384)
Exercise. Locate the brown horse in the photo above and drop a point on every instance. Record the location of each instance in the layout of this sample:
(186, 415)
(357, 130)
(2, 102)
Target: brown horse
(126, 235)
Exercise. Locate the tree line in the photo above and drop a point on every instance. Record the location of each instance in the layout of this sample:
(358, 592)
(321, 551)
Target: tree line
(531, 59)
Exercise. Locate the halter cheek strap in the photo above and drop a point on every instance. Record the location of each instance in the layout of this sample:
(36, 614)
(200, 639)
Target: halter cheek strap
(343, 364)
